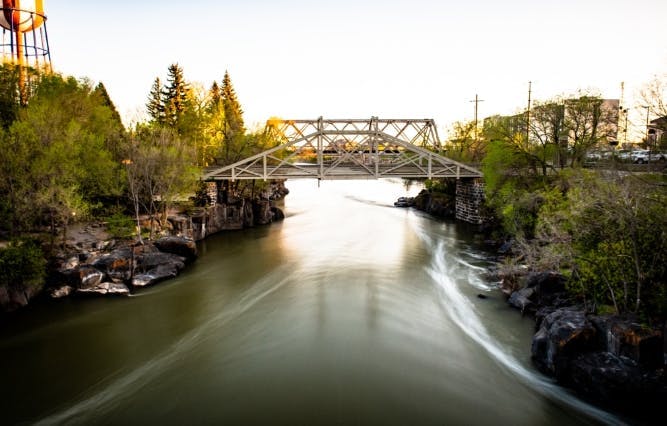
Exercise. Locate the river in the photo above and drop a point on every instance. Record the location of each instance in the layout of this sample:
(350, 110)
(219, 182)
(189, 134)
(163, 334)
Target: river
(350, 311)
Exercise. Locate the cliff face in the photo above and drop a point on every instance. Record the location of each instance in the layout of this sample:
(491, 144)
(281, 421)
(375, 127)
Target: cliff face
(234, 214)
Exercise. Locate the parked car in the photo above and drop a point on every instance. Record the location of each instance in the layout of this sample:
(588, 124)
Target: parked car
(593, 156)
(643, 156)
(624, 155)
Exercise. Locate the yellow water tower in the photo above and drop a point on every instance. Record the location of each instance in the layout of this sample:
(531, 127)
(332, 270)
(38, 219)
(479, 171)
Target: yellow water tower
(24, 37)
(25, 41)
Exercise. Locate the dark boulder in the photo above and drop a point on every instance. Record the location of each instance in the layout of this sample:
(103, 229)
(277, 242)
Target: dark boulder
(436, 204)
(85, 276)
(147, 261)
(105, 289)
(618, 382)
(60, 292)
(261, 210)
(549, 286)
(248, 214)
(627, 338)
(155, 275)
(522, 300)
(177, 245)
(278, 214)
(116, 264)
(564, 333)
(12, 298)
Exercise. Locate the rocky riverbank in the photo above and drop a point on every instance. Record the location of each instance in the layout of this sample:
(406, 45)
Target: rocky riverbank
(124, 268)
(615, 362)
(436, 204)
(612, 361)
(92, 263)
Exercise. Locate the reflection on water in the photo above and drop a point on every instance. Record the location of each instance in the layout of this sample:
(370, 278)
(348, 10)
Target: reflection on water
(349, 311)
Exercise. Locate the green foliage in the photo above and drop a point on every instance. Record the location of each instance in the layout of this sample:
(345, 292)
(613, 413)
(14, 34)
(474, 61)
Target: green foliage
(160, 169)
(154, 106)
(445, 186)
(514, 196)
(9, 94)
(120, 225)
(62, 153)
(234, 125)
(609, 235)
(175, 96)
(22, 263)
(465, 143)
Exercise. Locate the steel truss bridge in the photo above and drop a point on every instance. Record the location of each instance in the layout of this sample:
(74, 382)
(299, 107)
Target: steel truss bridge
(347, 149)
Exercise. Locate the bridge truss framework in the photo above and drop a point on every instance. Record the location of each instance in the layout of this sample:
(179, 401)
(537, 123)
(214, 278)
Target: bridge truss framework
(347, 149)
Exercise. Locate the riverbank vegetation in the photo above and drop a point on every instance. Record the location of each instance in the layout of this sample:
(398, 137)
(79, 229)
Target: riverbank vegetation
(603, 229)
(68, 157)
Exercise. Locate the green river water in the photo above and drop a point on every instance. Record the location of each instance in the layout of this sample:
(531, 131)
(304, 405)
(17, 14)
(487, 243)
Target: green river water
(348, 312)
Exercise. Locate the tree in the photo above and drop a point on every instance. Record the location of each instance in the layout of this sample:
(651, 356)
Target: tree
(654, 97)
(234, 143)
(462, 144)
(159, 169)
(9, 94)
(547, 128)
(154, 106)
(588, 123)
(175, 96)
(608, 234)
(213, 126)
(59, 163)
(22, 264)
(214, 101)
(522, 154)
(106, 101)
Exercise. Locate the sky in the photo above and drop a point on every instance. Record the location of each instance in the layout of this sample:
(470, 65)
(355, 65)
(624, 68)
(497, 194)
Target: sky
(298, 59)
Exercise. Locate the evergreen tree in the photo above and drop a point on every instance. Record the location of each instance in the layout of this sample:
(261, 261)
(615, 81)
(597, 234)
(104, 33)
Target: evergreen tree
(234, 126)
(175, 96)
(101, 91)
(105, 112)
(214, 98)
(213, 125)
(155, 107)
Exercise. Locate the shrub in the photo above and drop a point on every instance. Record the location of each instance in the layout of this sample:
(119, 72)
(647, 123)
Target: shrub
(22, 263)
(120, 226)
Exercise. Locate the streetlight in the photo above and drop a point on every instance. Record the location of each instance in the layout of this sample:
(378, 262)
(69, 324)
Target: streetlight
(624, 117)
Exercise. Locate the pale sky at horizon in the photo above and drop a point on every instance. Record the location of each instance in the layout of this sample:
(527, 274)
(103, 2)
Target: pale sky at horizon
(357, 59)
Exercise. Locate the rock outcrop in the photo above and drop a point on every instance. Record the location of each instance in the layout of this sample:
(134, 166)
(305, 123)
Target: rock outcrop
(177, 245)
(436, 204)
(13, 298)
(97, 265)
(116, 272)
(613, 361)
(563, 335)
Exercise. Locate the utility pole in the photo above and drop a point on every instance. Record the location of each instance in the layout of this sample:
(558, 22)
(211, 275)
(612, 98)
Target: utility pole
(648, 142)
(530, 90)
(648, 109)
(623, 114)
(476, 101)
